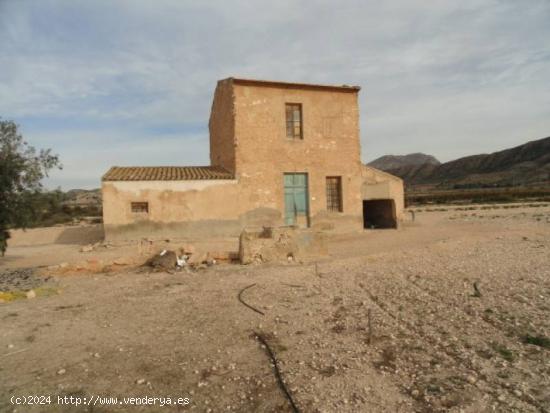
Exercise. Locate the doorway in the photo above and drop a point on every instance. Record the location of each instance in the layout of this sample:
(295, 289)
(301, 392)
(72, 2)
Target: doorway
(296, 199)
(379, 213)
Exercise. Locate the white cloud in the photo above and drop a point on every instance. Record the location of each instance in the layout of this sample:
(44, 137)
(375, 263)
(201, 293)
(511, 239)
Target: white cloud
(85, 160)
(448, 78)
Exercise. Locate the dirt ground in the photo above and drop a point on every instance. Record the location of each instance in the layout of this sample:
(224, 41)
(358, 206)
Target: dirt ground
(431, 342)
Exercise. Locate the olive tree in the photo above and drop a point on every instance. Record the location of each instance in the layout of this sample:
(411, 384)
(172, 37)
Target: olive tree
(22, 169)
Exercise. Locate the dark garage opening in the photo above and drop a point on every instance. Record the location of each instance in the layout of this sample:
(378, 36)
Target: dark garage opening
(379, 213)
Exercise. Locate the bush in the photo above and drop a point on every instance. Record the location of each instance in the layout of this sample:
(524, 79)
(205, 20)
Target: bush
(538, 340)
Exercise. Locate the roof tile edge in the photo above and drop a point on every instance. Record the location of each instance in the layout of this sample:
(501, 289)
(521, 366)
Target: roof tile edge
(218, 174)
(293, 85)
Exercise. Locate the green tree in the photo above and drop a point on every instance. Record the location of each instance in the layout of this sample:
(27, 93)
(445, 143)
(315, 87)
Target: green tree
(22, 168)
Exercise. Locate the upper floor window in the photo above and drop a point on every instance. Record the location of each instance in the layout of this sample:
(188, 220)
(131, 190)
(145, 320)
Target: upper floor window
(294, 121)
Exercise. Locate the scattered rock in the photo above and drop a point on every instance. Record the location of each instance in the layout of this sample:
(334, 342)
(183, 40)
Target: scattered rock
(87, 248)
(61, 372)
(223, 255)
(471, 379)
(188, 249)
(123, 261)
(197, 258)
(140, 381)
(31, 294)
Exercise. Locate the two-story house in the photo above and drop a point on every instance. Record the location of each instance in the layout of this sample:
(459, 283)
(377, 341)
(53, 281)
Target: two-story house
(281, 154)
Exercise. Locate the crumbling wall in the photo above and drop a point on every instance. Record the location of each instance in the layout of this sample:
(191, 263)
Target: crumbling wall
(280, 244)
(180, 209)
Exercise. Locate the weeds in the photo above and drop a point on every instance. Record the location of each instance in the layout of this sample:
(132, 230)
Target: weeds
(8, 296)
(388, 359)
(504, 352)
(538, 340)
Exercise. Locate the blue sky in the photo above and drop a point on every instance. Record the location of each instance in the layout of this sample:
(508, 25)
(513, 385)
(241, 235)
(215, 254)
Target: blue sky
(130, 82)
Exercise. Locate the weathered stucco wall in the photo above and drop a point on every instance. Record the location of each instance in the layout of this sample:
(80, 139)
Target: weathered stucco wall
(330, 147)
(179, 209)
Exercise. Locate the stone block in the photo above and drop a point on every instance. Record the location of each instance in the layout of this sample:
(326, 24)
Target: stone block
(280, 244)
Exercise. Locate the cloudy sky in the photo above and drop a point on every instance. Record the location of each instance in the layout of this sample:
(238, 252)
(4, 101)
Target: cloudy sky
(130, 82)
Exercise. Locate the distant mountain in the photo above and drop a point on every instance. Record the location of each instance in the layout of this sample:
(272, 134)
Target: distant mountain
(388, 162)
(83, 197)
(414, 173)
(527, 164)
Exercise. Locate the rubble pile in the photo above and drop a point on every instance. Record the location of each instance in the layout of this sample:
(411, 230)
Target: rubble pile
(187, 258)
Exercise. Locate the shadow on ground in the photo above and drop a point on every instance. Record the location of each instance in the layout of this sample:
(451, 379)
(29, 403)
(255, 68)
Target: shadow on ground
(80, 235)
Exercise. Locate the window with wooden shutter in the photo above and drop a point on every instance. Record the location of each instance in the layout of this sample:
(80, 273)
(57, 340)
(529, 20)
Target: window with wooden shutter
(294, 121)
(334, 193)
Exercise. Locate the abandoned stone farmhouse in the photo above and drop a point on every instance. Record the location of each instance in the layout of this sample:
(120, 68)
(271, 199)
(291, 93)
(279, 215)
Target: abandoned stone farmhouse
(280, 154)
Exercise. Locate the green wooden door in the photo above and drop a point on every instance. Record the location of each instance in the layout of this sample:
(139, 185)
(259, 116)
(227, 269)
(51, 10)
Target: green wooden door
(296, 199)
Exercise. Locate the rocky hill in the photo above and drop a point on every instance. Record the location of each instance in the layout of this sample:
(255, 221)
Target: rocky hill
(83, 197)
(527, 164)
(390, 162)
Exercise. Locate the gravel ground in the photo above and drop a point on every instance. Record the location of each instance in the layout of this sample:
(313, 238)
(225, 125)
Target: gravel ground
(430, 343)
(23, 279)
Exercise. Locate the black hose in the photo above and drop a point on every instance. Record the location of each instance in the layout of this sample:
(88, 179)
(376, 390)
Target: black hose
(248, 305)
(280, 381)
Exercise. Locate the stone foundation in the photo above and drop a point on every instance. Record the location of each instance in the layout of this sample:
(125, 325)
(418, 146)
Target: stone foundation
(280, 244)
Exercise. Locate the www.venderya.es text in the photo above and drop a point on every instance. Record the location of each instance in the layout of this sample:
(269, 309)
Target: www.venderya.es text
(96, 400)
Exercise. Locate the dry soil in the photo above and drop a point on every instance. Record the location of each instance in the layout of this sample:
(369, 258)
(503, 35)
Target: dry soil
(388, 322)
